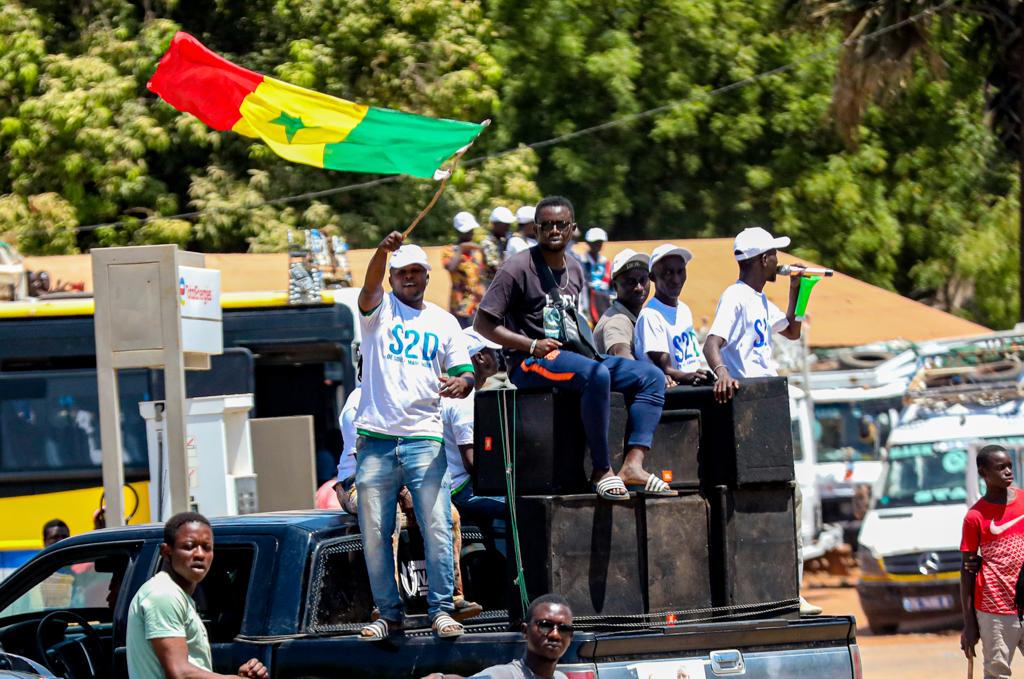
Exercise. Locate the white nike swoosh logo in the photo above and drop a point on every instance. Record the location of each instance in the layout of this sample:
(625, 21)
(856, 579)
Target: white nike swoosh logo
(996, 529)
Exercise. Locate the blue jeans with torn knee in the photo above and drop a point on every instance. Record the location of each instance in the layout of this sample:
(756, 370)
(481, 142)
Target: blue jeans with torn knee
(383, 467)
(641, 383)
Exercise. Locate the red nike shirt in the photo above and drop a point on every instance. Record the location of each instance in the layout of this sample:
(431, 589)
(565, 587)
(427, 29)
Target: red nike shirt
(999, 532)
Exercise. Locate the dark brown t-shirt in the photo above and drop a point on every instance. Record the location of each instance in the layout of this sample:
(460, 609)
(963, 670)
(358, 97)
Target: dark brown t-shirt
(517, 299)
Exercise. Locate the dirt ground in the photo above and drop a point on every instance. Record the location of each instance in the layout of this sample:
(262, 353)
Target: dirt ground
(921, 652)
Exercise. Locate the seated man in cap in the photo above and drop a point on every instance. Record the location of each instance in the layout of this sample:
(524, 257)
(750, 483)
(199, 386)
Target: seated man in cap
(493, 244)
(526, 236)
(613, 334)
(530, 304)
(413, 356)
(664, 329)
(464, 262)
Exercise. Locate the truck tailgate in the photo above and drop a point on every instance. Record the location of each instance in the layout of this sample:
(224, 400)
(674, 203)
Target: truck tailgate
(797, 649)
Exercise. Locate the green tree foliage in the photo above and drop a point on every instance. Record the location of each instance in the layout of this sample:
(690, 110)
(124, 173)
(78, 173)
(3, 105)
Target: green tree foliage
(924, 204)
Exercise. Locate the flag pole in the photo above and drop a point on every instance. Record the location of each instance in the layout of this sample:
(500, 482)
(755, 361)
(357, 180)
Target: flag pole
(444, 182)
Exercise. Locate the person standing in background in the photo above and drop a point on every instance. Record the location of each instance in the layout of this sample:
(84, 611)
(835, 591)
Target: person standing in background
(597, 271)
(464, 262)
(526, 236)
(494, 243)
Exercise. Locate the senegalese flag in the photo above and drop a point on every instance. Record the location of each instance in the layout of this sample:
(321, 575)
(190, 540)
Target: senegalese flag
(302, 125)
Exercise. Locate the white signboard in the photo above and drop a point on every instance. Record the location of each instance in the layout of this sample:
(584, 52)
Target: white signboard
(199, 296)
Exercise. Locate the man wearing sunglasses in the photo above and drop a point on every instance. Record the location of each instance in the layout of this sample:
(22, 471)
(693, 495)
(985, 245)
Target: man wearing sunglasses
(521, 313)
(548, 630)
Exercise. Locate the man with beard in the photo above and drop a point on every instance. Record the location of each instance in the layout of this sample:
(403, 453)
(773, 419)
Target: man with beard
(413, 354)
(521, 313)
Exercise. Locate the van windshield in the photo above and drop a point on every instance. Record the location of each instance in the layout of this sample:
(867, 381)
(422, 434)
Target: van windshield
(930, 473)
(852, 430)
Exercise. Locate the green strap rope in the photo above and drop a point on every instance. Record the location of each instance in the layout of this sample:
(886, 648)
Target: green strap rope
(508, 427)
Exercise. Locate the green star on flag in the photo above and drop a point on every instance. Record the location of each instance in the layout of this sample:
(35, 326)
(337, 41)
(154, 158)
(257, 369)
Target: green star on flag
(291, 124)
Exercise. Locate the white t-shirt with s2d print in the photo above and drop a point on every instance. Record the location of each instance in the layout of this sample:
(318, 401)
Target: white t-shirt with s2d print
(667, 330)
(405, 350)
(746, 320)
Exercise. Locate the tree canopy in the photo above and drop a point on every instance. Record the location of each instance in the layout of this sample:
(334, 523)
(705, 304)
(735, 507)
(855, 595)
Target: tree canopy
(925, 202)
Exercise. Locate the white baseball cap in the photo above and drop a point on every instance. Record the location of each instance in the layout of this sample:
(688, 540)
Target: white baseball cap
(670, 250)
(409, 254)
(502, 214)
(465, 222)
(595, 234)
(629, 259)
(756, 241)
(526, 214)
(475, 342)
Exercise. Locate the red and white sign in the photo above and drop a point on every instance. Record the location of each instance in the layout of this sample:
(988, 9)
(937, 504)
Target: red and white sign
(199, 297)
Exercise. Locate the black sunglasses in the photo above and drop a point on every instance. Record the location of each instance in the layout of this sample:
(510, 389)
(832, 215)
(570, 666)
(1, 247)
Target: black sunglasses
(547, 627)
(561, 226)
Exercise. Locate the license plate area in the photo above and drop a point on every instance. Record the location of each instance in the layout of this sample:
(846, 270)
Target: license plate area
(920, 604)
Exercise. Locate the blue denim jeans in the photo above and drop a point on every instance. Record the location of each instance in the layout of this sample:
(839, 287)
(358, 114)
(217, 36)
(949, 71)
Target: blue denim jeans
(485, 512)
(642, 384)
(383, 467)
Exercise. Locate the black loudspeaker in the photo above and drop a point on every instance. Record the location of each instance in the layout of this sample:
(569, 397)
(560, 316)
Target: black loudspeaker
(673, 456)
(583, 548)
(745, 441)
(753, 545)
(678, 574)
(550, 445)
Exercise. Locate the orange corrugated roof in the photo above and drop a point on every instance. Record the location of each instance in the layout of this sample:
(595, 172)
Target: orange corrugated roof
(843, 310)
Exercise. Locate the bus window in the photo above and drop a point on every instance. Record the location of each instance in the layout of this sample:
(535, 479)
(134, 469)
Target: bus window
(50, 420)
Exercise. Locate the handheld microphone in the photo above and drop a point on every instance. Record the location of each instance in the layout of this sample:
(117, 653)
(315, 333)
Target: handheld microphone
(797, 270)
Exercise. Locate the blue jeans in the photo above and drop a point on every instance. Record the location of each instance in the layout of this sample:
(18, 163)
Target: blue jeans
(641, 383)
(485, 512)
(383, 467)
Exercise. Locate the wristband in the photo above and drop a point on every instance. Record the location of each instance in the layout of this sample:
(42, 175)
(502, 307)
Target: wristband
(720, 365)
(533, 347)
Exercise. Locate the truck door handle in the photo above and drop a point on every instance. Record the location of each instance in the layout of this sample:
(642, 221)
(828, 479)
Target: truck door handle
(727, 662)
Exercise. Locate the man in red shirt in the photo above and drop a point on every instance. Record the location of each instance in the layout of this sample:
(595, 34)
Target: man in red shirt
(994, 526)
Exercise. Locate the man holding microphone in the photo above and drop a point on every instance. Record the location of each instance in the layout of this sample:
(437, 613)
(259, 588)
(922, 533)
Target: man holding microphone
(739, 343)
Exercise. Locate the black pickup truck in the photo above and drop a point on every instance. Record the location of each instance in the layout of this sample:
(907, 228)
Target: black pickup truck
(291, 589)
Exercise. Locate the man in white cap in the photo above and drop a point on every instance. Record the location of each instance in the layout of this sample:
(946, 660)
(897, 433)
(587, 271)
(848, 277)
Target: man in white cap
(414, 354)
(597, 271)
(526, 237)
(613, 334)
(464, 262)
(739, 343)
(664, 328)
(494, 243)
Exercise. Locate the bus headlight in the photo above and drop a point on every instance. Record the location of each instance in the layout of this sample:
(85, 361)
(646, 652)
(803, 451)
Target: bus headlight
(870, 565)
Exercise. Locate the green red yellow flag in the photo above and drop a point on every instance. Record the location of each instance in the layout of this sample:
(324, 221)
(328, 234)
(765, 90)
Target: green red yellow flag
(301, 125)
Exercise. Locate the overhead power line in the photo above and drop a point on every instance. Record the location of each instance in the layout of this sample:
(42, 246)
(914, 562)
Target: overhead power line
(553, 141)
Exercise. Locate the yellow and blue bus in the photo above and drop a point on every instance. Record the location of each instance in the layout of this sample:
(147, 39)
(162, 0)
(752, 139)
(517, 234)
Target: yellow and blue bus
(296, 360)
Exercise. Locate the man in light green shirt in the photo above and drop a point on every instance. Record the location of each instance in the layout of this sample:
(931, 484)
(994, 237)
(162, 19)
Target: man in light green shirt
(166, 637)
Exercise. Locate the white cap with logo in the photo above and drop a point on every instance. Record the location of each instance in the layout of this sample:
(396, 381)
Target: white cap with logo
(756, 241)
(502, 214)
(407, 255)
(595, 234)
(670, 250)
(526, 214)
(465, 222)
(627, 260)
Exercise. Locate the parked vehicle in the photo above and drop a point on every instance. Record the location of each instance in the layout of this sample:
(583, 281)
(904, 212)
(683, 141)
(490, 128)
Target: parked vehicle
(909, 552)
(291, 590)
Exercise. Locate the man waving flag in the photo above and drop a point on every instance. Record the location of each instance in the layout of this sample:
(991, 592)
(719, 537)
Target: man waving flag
(301, 125)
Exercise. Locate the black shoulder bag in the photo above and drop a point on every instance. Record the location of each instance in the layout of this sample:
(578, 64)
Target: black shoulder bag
(573, 330)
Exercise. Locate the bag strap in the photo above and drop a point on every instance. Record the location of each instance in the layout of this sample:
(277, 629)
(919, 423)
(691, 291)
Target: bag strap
(547, 278)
